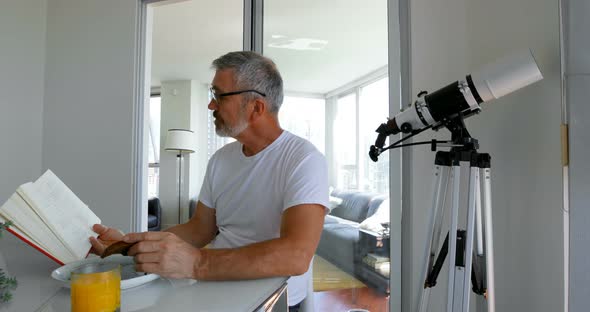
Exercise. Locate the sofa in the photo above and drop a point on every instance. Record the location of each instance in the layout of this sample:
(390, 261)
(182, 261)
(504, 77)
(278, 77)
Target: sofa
(154, 214)
(351, 210)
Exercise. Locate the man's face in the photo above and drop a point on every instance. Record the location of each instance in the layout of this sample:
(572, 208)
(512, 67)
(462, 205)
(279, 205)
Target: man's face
(229, 111)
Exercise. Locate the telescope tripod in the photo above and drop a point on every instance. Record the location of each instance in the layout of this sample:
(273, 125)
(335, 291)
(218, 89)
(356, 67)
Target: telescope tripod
(464, 264)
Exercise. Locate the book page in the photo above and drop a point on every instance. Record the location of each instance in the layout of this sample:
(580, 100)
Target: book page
(64, 213)
(30, 224)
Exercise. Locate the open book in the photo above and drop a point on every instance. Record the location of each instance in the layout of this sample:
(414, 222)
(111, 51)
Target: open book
(47, 215)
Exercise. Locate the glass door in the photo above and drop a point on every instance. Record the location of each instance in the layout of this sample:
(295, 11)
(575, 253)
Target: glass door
(333, 56)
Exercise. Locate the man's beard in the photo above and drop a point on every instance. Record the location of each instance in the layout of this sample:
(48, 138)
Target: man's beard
(223, 130)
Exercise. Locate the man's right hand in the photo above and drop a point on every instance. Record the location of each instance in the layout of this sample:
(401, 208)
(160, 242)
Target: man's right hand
(106, 236)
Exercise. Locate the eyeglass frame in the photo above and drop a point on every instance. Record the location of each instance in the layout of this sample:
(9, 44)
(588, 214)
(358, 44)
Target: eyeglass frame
(217, 97)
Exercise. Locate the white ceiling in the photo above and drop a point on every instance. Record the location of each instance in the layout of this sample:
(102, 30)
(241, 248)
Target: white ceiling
(318, 45)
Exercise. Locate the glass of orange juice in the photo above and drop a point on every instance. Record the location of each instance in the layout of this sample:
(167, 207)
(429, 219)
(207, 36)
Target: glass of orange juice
(96, 287)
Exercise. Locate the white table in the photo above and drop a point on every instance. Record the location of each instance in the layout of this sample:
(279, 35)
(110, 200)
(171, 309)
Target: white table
(37, 291)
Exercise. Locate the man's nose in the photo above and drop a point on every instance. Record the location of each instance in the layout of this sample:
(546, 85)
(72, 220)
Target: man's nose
(212, 105)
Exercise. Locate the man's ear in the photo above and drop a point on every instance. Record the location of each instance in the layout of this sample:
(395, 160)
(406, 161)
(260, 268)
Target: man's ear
(258, 109)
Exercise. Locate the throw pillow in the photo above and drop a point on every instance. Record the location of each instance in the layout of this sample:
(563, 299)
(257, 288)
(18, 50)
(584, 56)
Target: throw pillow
(334, 202)
(373, 223)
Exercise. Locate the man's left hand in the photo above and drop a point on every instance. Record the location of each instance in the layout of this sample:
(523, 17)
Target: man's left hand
(163, 253)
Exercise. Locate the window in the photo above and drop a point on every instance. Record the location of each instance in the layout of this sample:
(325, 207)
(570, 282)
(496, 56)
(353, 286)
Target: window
(373, 106)
(305, 117)
(344, 138)
(356, 116)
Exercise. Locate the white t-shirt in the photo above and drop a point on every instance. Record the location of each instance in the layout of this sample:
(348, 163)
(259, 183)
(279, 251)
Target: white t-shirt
(249, 194)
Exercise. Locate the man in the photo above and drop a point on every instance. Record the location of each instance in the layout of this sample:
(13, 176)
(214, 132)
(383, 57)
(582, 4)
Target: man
(263, 200)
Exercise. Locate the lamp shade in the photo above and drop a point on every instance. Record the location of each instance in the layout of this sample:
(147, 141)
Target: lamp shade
(180, 141)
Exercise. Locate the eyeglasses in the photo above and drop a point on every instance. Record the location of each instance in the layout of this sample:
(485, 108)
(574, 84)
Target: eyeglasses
(217, 97)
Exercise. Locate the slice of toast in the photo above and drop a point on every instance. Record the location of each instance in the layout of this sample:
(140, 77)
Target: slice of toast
(119, 247)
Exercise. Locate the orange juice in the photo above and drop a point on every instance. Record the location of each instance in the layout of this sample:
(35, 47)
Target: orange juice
(96, 288)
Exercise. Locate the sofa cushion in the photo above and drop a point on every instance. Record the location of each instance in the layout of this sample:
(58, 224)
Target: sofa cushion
(354, 205)
(338, 245)
(152, 221)
(334, 202)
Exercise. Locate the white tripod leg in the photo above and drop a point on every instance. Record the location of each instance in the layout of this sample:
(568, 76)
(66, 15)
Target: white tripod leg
(478, 219)
(454, 271)
(472, 198)
(480, 300)
(441, 179)
(489, 238)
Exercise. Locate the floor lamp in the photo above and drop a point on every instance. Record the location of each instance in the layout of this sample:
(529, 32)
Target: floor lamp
(180, 141)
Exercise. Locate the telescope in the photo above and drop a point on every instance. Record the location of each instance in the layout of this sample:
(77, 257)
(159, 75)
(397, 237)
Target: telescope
(459, 99)
(470, 250)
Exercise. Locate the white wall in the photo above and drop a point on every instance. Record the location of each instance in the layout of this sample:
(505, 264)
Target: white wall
(521, 132)
(22, 59)
(89, 82)
(577, 23)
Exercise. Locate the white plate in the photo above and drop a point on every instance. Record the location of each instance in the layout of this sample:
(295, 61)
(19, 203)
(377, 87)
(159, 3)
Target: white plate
(129, 277)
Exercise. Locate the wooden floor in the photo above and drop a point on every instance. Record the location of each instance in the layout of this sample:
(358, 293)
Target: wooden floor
(327, 276)
(343, 300)
(337, 291)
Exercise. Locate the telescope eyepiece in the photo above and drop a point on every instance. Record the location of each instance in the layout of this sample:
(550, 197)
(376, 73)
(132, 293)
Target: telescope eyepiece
(374, 153)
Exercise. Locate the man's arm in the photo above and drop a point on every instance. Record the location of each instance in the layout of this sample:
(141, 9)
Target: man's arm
(288, 255)
(200, 229)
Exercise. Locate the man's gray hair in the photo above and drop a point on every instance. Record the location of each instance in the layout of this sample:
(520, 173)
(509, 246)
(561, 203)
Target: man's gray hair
(254, 71)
